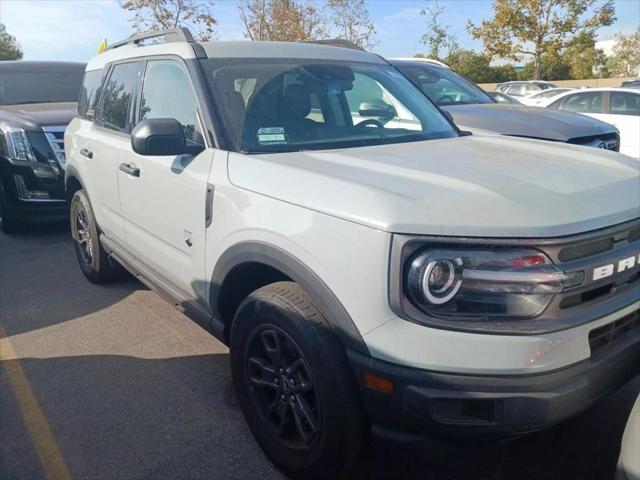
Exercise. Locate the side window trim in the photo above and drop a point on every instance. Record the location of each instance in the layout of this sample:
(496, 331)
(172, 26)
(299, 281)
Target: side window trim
(99, 114)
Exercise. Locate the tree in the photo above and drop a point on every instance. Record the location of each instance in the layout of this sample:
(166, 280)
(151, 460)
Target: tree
(535, 27)
(164, 14)
(351, 18)
(281, 20)
(582, 57)
(552, 67)
(626, 55)
(9, 46)
(437, 37)
(476, 66)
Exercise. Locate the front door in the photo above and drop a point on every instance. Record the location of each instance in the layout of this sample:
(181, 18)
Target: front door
(163, 198)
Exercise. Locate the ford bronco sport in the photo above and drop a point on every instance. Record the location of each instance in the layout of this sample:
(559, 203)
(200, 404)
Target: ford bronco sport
(373, 269)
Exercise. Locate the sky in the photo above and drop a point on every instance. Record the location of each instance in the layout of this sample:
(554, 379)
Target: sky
(73, 29)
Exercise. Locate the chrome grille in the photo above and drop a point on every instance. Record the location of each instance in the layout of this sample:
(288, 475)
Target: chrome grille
(608, 141)
(55, 137)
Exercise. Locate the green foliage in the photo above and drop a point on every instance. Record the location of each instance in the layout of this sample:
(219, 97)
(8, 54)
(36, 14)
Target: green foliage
(626, 55)
(282, 20)
(533, 28)
(351, 19)
(476, 66)
(9, 47)
(437, 37)
(165, 14)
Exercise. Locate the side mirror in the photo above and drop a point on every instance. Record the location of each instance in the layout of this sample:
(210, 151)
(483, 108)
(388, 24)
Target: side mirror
(159, 136)
(377, 108)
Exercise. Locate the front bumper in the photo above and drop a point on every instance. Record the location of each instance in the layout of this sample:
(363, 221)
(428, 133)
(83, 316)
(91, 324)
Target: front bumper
(19, 178)
(425, 403)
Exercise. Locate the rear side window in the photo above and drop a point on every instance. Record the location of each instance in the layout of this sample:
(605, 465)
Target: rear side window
(587, 102)
(90, 93)
(624, 103)
(532, 88)
(118, 96)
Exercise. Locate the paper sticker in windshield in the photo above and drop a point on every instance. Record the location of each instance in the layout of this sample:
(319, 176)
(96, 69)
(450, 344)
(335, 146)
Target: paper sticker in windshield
(272, 136)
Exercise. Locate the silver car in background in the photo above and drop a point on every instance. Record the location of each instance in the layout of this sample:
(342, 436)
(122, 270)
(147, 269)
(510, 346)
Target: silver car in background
(474, 110)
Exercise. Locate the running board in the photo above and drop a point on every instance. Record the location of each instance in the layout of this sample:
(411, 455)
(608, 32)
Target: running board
(187, 305)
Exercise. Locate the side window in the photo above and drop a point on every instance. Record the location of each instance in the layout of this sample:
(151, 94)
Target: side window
(368, 100)
(515, 90)
(587, 102)
(531, 88)
(118, 96)
(365, 89)
(89, 93)
(624, 103)
(167, 93)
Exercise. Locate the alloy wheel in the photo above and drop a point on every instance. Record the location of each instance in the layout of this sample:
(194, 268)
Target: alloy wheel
(281, 387)
(84, 236)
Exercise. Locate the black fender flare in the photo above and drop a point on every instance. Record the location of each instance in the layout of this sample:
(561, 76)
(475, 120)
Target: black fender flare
(272, 256)
(71, 172)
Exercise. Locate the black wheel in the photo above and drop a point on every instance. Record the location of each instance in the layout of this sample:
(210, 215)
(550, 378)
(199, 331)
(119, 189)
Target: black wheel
(8, 217)
(94, 261)
(295, 386)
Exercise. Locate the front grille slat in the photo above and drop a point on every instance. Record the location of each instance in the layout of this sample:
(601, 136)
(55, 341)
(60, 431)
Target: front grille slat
(609, 333)
(55, 137)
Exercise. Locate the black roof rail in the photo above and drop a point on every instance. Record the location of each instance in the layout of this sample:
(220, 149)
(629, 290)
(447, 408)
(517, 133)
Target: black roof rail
(181, 34)
(337, 42)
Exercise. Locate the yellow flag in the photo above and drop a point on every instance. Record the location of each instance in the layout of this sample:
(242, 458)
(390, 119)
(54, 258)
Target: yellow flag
(102, 47)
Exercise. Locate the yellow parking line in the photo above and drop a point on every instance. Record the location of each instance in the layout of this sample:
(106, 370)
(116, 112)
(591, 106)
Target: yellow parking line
(33, 417)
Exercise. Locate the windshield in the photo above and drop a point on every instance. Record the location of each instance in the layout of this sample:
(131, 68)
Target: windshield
(280, 105)
(442, 85)
(39, 84)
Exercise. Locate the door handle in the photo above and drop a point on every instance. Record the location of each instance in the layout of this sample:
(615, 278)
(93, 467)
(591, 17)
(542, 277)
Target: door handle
(86, 152)
(129, 169)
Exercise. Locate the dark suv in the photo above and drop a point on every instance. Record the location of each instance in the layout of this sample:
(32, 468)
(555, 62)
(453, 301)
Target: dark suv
(37, 101)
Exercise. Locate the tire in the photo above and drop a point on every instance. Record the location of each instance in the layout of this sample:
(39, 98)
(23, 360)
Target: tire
(92, 257)
(10, 222)
(278, 326)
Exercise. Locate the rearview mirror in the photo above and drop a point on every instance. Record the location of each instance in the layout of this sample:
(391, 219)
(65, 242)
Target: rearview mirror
(159, 136)
(377, 108)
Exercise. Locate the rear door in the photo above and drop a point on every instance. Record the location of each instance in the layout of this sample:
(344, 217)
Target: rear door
(107, 139)
(164, 202)
(623, 111)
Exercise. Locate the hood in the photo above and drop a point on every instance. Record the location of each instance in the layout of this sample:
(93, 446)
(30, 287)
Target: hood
(523, 121)
(32, 116)
(477, 186)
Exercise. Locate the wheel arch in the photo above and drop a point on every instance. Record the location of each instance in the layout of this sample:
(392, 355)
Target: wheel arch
(247, 266)
(72, 183)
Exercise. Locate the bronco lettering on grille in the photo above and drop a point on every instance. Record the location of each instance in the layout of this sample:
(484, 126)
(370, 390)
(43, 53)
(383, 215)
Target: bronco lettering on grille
(607, 270)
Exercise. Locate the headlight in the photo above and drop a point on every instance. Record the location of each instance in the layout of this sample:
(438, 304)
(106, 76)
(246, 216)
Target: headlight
(18, 145)
(500, 283)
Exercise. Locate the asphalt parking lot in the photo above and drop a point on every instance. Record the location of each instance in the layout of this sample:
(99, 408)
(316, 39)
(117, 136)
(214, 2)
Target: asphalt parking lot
(110, 382)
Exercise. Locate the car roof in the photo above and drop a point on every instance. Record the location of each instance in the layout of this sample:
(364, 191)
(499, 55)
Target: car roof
(605, 89)
(422, 60)
(525, 81)
(25, 64)
(236, 49)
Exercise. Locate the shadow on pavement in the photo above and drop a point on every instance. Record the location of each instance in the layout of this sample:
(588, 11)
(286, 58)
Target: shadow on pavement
(125, 417)
(41, 283)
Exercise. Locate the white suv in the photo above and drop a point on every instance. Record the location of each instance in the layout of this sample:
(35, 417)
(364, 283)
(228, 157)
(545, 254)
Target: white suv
(371, 272)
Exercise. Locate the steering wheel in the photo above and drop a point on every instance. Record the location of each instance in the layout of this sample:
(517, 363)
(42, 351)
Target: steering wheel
(446, 98)
(369, 121)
